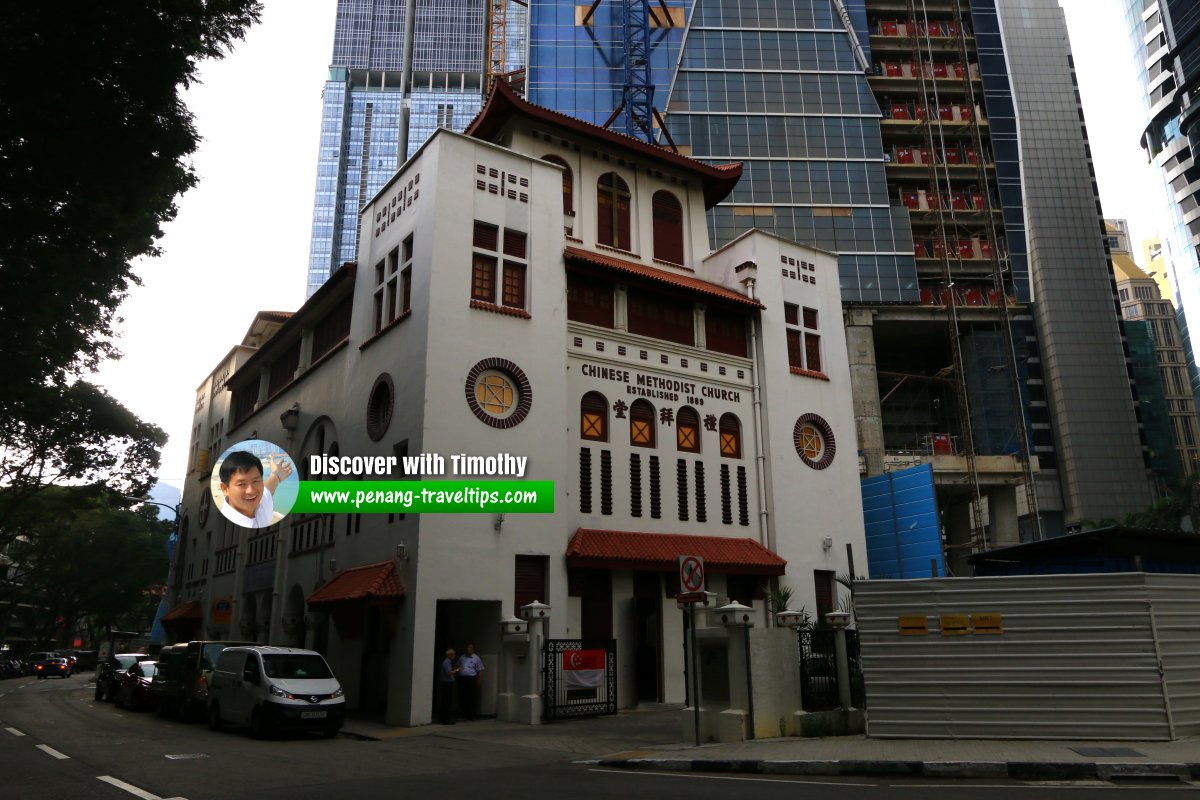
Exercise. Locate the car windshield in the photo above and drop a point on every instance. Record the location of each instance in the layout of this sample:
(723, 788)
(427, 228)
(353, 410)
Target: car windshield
(147, 668)
(300, 667)
(127, 660)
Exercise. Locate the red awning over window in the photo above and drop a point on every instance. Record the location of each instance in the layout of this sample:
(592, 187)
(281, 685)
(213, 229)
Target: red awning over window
(659, 552)
(184, 611)
(369, 582)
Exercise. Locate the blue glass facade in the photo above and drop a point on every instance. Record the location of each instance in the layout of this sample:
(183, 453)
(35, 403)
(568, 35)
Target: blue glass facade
(361, 106)
(774, 85)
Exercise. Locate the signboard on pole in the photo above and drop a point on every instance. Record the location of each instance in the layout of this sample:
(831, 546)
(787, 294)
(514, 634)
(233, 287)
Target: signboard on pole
(691, 574)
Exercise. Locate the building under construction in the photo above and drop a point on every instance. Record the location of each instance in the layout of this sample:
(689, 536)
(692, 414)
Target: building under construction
(939, 147)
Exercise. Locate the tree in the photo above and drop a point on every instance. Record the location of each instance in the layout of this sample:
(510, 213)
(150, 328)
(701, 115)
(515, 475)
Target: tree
(94, 142)
(76, 433)
(79, 557)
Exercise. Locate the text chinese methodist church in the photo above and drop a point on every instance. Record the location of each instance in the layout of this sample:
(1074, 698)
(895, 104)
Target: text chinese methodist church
(544, 288)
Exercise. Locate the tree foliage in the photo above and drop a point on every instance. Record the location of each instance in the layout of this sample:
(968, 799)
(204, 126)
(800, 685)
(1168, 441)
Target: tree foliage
(78, 556)
(94, 147)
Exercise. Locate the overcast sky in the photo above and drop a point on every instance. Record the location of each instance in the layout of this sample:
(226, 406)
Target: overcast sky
(240, 242)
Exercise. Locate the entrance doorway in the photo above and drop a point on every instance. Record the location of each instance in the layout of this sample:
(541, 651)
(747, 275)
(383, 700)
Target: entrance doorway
(647, 610)
(459, 622)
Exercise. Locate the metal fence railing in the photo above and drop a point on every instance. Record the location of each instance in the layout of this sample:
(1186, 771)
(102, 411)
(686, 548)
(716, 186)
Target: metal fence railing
(818, 670)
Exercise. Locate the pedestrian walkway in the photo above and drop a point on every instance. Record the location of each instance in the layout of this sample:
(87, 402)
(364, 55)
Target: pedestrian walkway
(650, 738)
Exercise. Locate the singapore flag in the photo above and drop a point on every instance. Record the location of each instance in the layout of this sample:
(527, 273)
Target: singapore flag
(583, 669)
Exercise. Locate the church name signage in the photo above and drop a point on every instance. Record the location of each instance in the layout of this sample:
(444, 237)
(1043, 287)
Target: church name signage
(641, 384)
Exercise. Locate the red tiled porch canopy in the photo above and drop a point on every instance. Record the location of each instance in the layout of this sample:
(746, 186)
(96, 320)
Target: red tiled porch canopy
(184, 612)
(659, 552)
(368, 582)
(653, 274)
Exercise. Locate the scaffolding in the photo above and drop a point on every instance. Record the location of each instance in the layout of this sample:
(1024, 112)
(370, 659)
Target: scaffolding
(965, 264)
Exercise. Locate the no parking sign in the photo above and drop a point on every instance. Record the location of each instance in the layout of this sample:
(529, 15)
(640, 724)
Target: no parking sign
(691, 574)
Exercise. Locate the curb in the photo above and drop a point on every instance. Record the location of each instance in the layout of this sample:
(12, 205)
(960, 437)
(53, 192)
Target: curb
(1012, 770)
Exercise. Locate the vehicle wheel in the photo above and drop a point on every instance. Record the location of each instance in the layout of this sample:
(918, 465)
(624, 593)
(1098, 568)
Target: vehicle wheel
(329, 733)
(260, 725)
(214, 717)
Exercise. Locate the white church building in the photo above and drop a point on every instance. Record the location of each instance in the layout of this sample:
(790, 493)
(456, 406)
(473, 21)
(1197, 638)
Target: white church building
(540, 287)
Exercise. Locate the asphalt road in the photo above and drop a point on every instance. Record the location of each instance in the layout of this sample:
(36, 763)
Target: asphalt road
(57, 742)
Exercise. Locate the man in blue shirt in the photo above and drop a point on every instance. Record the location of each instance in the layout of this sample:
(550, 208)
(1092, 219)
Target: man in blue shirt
(470, 668)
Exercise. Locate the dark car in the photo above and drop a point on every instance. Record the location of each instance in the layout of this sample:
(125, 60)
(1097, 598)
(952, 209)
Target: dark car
(195, 676)
(133, 686)
(168, 680)
(108, 673)
(60, 667)
(11, 669)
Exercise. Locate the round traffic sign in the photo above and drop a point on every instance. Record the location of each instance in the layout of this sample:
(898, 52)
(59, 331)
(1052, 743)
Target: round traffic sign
(691, 574)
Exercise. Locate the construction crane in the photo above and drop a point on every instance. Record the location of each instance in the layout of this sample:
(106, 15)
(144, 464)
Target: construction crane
(497, 51)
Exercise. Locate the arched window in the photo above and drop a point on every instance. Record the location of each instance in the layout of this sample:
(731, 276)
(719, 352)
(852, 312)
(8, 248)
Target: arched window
(687, 430)
(731, 436)
(568, 184)
(641, 424)
(593, 417)
(668, 228)
(612, 201)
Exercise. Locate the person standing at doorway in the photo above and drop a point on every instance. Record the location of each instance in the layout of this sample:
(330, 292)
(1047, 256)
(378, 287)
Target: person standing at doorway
(470, 669)
(446, 677)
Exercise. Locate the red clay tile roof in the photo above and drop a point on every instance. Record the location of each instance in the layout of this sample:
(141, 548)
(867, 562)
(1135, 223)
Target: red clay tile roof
(659, 275)
(369, 582)
(660, 552)
(718, 180)
(189, 610)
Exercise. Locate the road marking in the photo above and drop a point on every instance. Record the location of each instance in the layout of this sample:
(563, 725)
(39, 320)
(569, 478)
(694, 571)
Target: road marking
(729, 777)
(48, 750)
(129, 787)
(14, 731)
(181, 756)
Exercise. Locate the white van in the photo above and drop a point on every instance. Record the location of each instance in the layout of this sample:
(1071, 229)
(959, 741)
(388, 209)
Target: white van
(271, 687)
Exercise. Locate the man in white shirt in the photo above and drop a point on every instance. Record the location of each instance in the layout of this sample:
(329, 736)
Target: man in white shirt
(470, 668)
(248, 498)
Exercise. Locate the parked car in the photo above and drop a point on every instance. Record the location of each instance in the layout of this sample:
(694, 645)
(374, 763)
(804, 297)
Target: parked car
(275, 687)
(195, 676)
(87, 659)
(53, 666)
(168, 676)
(133, 686)
(109, 670)
(11, 668)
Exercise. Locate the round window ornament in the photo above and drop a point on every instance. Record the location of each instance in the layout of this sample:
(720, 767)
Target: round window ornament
(498, 392)
(380, 404)
(814, 441)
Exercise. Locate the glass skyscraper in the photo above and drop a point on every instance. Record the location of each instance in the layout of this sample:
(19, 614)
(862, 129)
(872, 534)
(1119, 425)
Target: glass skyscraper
(362, 104)
(1164, 38)
(911, 140)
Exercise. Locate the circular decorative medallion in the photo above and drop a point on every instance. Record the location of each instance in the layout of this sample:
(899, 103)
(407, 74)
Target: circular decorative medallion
(498, 392)
(814, 441)
(380, 403)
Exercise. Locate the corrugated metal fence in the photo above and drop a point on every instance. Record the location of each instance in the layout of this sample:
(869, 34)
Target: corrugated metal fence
(1074, 657)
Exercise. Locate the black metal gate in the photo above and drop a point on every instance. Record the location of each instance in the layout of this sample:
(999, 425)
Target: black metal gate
(818, 670)
(580, 678)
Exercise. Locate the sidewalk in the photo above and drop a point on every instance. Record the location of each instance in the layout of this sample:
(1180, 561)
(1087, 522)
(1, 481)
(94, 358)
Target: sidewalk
(1026, 760)
(649, 738)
